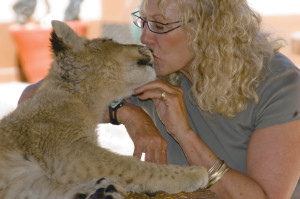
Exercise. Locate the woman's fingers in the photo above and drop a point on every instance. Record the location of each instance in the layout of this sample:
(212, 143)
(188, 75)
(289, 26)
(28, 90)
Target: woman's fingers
(155, 85)
(138, 152)
(157, 90)
(154, 152)
(144, 134)
(153, 94)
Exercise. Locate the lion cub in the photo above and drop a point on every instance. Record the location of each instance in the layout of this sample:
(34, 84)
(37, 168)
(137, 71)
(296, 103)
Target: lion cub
(48, 145)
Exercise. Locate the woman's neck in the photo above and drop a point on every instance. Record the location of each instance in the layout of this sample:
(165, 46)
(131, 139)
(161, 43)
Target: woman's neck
(187, 74)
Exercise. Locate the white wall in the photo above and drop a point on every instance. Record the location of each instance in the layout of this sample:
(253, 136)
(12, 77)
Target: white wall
(6, 12)
(276, 7)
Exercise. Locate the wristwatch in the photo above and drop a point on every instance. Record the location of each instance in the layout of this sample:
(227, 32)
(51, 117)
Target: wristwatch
(113, 107)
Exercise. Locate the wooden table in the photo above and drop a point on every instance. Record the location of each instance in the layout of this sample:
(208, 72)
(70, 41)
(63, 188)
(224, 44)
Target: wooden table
(200, 194)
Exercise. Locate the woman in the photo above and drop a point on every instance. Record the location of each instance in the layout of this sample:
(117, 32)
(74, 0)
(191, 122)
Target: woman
(237, 100)
(225, 93)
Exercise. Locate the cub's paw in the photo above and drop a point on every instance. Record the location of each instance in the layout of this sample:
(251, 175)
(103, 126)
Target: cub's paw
(105, 189)
(197, 178)
(187, 179)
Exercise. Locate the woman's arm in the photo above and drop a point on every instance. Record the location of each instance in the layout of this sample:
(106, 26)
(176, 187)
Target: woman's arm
(273, 164)
(29, 92)
(271, 151)
(273, 159)
(144, 134)
(233, 184)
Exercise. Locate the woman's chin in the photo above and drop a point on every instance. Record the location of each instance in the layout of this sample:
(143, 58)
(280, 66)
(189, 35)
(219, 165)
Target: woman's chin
(159, 72)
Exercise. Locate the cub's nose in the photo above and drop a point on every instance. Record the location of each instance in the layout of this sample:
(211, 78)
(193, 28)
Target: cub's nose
(144, 62)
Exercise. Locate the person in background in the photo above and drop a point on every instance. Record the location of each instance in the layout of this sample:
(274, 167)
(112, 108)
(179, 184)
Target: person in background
(225, 98)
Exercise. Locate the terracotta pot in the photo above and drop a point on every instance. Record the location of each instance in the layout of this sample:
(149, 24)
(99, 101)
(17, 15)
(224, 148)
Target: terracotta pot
(33, 47)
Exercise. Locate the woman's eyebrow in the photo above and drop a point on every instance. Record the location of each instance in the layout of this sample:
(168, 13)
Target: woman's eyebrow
(158, 18)
(142, 14)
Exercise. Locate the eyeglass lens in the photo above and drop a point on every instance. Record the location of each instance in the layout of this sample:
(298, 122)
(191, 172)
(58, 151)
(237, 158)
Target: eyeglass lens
(154, 26)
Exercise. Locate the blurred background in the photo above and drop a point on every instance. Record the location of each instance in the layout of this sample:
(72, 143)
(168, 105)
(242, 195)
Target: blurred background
(100, 18)
(109, 18)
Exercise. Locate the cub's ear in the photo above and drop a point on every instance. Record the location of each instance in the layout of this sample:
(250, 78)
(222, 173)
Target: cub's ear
(63, 37)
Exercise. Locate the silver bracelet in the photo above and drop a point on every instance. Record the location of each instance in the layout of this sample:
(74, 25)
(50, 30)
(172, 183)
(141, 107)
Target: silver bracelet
(216, 172)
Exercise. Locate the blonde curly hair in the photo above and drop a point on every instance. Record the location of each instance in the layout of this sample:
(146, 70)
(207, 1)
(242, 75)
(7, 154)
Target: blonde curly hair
(231, 53)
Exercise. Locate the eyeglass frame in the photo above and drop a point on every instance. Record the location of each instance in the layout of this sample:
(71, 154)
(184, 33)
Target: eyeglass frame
(149, 27)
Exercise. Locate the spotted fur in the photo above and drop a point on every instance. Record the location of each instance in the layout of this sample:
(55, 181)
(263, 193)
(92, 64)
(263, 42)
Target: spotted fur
(48, 145)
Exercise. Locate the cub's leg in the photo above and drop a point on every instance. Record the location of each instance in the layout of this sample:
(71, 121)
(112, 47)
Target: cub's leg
(106, 189)
(24, 178)
(85, 161)
(70, 175)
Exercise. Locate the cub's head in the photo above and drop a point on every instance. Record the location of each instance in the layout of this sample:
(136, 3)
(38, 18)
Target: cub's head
(103, 66)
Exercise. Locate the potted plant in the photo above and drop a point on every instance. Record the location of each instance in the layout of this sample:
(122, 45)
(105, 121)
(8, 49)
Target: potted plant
(32, 38)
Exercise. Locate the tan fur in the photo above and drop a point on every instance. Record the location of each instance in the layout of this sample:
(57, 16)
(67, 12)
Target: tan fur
(48, 145)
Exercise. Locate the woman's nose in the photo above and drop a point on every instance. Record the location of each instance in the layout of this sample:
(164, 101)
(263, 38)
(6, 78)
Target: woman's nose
(146, 36)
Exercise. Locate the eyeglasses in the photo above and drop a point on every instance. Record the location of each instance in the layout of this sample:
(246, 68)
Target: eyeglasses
(154, 26)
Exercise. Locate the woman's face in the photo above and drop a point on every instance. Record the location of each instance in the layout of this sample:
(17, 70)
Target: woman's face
(171, 50)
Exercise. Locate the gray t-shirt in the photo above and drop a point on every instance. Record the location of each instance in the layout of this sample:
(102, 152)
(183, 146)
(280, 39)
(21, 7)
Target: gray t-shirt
(279, 103)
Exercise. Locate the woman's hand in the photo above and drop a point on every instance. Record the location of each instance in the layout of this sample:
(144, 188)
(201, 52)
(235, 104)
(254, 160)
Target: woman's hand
(170, 106)
(144, 134)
